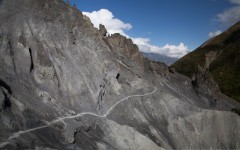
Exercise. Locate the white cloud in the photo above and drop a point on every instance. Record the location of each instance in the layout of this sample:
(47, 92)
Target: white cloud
(114, 25)
(105, 17)
(231, 15)
(176, 51)
(235, 1)
(213, 34)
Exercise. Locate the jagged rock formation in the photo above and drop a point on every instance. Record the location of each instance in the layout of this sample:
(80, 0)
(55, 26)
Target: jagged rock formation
(220, 57)
(66, 85)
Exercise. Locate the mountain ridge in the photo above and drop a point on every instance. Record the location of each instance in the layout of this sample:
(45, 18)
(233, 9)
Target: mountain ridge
(225, 65)
(66, 85)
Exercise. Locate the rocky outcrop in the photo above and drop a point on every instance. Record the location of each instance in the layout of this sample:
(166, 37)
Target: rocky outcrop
(102, 30)
(126, 52)
(66, 85)
(207, 88)
(204, 84)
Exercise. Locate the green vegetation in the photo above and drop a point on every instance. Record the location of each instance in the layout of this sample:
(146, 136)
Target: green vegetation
(225, 68)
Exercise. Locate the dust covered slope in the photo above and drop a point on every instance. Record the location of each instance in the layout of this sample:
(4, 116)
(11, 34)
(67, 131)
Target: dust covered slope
(65, 85)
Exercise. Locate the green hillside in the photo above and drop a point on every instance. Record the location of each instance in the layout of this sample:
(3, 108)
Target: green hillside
(225, 68)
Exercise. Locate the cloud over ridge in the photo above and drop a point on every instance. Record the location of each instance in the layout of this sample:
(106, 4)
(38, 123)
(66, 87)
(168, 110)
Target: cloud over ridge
(231, 15)
(175, 51)
(105, 17)
(213, 34)
(115, 25)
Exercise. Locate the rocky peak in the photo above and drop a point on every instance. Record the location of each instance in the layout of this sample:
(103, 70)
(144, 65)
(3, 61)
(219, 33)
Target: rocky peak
(121, 43)
(126, 52)
(102, 30)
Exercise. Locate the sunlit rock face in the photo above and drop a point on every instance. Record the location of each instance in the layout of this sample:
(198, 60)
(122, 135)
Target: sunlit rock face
(67, 85)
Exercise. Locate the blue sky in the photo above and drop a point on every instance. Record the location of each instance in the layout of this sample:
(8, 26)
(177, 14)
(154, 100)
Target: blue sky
(164, 25)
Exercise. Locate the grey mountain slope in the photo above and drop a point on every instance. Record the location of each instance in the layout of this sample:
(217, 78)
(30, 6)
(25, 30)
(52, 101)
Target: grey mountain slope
(64, 85)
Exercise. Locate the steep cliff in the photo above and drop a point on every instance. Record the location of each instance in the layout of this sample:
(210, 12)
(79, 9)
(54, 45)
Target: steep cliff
(66, 85)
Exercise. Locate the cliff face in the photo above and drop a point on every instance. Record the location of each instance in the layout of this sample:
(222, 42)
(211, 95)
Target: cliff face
(66, 85)
(220, 56)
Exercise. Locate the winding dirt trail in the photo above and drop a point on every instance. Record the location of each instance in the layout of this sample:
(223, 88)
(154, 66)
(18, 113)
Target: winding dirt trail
(17, 134)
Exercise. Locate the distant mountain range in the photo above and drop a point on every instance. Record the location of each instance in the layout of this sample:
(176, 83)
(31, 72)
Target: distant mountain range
(221, 56)
(161, 58)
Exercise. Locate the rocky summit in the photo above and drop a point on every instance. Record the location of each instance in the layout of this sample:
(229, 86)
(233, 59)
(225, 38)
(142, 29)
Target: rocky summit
(67, 85)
